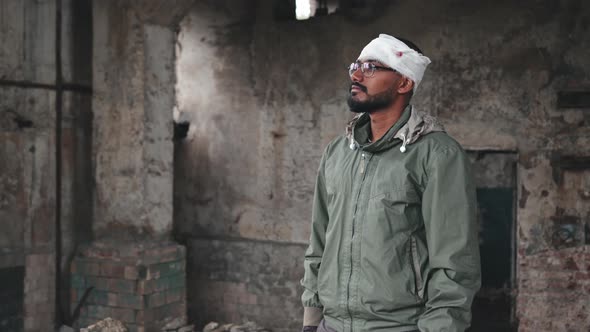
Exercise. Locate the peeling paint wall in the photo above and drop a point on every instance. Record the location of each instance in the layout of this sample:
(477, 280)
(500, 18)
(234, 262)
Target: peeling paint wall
(264, 97)
(132, 106)
(28, 146)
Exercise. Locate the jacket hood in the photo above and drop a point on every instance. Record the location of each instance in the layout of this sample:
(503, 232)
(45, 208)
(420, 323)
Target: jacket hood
(407, 130)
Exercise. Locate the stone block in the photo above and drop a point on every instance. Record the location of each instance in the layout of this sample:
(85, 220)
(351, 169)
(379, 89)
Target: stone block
(98, 311)
(123, 286)
(161, 284)
(131, 272)
(155, 300)
(98, 297)
(166, 254)
(171, 311)
(88, 268)
(175, 295)
(133, 301)
(147, 316)
(134, 288)
(177, 281)
(145, 286)
(125, 315)
(165, 269)
(99, 283)
(112, 270)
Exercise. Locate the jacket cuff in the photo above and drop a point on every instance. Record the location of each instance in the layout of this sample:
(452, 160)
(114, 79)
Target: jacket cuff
(312, 316)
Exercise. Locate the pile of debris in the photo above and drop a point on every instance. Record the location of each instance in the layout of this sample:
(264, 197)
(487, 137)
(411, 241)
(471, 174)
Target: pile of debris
(106, 325)
(113, 325)
(178, 325)
(247, 327)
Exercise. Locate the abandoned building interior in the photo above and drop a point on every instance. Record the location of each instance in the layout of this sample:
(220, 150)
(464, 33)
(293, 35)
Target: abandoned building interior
(158, 157)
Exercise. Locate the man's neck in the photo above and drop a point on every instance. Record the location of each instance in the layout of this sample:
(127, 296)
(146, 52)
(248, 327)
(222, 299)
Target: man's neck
(382, 120)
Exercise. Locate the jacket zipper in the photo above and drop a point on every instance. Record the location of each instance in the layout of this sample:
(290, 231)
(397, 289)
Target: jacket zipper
(416, 267)
(363, 158)
(363, 166)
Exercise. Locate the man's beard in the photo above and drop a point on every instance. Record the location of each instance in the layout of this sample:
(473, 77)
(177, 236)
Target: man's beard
(373, 103)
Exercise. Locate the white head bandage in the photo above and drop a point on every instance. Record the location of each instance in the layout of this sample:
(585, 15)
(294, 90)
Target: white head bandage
(396, 54)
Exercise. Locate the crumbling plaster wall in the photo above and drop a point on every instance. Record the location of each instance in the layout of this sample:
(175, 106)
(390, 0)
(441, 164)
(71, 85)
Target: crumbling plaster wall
(28, 146)
(133, 98)
(264, 97)
(131, 174)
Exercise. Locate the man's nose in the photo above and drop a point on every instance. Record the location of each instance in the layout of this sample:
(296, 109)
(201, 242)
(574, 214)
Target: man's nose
(357, 75)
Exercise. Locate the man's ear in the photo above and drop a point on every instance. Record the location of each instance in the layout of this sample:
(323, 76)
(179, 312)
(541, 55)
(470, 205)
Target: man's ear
(405, 86)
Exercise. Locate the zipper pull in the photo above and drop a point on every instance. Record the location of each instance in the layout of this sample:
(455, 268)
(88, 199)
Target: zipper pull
(362, 163)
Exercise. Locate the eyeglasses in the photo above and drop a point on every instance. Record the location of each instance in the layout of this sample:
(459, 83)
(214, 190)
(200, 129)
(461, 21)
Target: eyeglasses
(367, 68)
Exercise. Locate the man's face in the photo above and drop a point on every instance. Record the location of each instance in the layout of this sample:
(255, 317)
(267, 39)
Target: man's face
(370, 94)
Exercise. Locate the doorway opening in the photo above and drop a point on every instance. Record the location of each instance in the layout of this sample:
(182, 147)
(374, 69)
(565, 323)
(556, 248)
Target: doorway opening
(495, 178)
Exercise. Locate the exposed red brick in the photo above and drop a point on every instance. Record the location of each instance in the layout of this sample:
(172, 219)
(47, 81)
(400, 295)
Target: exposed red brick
(131, 272)
(570, 264)
(553, 290)
(136, 290)
(113, 270)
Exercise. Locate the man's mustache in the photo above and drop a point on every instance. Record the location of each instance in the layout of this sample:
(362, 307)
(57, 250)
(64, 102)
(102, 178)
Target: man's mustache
(360, 86)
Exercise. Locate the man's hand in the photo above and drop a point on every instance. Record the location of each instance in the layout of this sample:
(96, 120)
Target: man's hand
(309, 329)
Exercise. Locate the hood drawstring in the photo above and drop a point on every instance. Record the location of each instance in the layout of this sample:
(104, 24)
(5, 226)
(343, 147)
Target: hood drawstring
(353, 144)
(404, 143)
(418, 125)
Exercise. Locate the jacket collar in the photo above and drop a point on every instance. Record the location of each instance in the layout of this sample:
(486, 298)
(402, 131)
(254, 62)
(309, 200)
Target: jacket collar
(408, 129)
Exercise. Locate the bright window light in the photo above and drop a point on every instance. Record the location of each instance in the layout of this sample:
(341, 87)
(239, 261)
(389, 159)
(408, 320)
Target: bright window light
(302, 9)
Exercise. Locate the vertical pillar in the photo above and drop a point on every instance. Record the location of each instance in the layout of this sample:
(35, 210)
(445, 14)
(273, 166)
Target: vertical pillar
(133, 101)
(136, 271)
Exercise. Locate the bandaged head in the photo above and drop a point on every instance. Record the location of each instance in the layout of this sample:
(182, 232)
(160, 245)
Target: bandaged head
(396, 54)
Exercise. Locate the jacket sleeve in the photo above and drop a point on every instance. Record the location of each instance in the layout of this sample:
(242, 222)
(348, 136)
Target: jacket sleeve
(449, 211)
(313, 308)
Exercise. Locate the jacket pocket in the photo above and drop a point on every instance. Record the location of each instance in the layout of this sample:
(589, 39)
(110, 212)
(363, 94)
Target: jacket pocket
(397, 197)
(395, 212)
(415, 260)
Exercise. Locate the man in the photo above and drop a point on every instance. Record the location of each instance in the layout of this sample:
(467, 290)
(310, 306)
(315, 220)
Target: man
(394, 242)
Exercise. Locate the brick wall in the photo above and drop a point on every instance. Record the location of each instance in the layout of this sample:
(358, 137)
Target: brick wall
(237, 281)
(142, 285)
(554, 290)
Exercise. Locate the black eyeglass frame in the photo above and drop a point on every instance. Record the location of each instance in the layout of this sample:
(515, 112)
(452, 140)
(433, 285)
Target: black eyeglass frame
(367, 72)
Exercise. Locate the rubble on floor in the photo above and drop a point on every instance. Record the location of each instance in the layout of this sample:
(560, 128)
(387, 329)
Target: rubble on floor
(113, 325)
(247, 327)
(178, 325)
(106, 325)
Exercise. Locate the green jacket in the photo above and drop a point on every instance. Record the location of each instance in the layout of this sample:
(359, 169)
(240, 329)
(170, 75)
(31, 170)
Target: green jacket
(394, 244)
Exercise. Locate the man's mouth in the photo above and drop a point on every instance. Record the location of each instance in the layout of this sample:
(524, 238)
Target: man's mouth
(355, 87)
